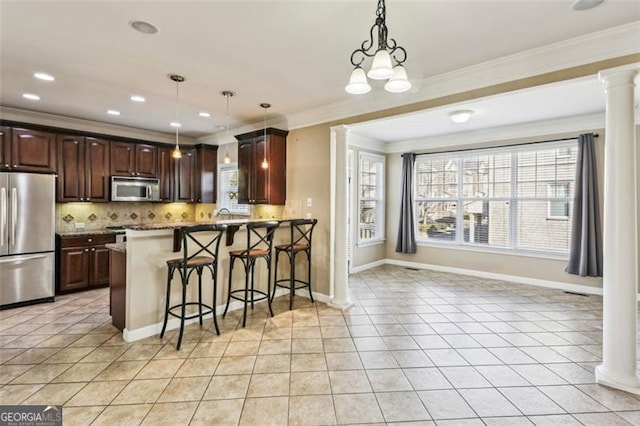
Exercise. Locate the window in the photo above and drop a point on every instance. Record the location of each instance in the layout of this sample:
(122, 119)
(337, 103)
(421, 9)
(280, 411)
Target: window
(558, 209)
(506, 198)
(370, 198)
(228, 193)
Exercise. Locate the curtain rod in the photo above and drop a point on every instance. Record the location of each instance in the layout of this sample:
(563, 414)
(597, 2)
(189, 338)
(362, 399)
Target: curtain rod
(595, 135)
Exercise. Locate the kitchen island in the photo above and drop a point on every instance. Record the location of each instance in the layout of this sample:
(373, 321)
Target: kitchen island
(147, 249)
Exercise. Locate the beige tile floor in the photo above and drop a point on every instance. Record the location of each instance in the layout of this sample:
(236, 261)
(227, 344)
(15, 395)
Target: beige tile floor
(418, 346)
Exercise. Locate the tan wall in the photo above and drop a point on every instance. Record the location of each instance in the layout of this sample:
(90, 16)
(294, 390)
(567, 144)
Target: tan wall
(308, 176)
(508, 264)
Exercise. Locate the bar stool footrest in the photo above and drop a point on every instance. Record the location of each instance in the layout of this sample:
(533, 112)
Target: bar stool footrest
(208, 310)
(263, 295)
(303, 284)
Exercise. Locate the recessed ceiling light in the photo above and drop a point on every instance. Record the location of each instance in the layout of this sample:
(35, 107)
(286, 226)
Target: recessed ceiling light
(174, 124)
(31, 96)
(43, 76)
(113, 112)
(143, 27)
(204, 114)
(579, 5)
(461, 116)
(137, 98)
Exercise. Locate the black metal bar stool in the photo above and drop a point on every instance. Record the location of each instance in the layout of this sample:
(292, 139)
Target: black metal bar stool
(201, 255)
(300, 242)
(259, 246)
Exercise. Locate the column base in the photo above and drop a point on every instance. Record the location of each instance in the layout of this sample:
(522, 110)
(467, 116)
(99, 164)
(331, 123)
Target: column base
(340, 304)
(631, 384)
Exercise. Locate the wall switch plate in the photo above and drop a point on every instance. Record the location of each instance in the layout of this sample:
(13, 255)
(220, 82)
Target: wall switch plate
(79, 225)
(309, 202)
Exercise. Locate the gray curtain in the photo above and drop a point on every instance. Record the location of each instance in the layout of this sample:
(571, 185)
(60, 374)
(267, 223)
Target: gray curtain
(585, 251)
(406, 233)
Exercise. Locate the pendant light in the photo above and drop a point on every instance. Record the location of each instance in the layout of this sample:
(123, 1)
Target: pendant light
(227, 94)
(178, 79)
(265, 163)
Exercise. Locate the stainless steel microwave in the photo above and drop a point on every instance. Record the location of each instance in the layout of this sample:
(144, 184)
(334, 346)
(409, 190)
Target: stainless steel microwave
(134, 189)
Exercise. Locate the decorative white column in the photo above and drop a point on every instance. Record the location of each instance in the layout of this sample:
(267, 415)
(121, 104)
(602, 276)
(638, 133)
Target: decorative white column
(620, 281)
(338, 239)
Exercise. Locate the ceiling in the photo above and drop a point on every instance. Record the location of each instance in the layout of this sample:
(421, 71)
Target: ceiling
(292, 54)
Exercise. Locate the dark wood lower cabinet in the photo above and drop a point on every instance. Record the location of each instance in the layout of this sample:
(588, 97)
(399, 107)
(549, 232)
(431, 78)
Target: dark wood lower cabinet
(118, 288)
(82, 262)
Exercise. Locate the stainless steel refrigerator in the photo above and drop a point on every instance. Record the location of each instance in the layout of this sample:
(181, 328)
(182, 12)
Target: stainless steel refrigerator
(27, 244)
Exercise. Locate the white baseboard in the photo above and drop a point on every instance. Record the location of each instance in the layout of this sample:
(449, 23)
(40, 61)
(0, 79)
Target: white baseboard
(174, 323)
(356, 269)
(574, 288)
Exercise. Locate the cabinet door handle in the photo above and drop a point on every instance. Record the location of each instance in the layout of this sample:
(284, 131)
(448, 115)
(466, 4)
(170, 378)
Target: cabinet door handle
(86, 249)
(89, 239)
(93, 249)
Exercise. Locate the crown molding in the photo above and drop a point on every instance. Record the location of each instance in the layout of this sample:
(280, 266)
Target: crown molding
(602, 45)
(71, 123)
(532, 129)
(364, 142)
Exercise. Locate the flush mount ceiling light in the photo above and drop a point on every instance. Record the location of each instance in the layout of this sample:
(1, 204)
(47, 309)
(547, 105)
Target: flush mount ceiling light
(461, 116)
(227, 94)
(113, 112)
(143, 27)
(382, 68)
(43, 76)
(265, 163)
(31, 96)
(580, 5)
(178, 79)
(137, 98)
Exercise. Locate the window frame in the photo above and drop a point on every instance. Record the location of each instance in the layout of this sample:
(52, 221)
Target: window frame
(225, 167)
(513, 199)
(379, 199)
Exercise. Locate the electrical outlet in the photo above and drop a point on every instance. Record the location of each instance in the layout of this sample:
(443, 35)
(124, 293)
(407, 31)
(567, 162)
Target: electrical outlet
(309, 202)
(308, 215)
(79, 225)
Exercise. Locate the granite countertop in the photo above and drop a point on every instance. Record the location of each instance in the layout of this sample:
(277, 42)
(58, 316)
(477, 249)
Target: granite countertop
(92, 232)
(121, 247)
(230, 222)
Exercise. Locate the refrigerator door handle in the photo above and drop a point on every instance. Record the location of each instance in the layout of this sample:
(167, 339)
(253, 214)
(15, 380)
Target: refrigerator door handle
(19, 259)
(3, 215)
(14, 216)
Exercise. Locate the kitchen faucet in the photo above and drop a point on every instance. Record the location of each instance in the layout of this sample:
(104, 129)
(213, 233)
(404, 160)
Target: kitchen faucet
(226, 212)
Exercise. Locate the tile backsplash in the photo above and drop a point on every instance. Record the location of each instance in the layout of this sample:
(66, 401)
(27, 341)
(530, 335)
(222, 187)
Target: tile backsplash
(97, 216)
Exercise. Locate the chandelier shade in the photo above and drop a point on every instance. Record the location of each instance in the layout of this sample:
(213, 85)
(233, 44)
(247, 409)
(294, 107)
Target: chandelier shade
(387, 61)
(398, 82)
(358, 82)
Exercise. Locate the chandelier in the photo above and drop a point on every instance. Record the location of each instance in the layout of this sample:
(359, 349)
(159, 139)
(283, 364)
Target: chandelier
(382, 67)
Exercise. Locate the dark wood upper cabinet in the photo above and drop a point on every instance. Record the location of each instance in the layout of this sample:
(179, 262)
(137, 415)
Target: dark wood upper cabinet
(146, 160)
(96, 181)
(166, 172)
(83, 169)
(134, 159)
(71, 158)
(32, 151)
(123, 156)
(206, 173)
(5, 147)
(185, 187)
(256, 184)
